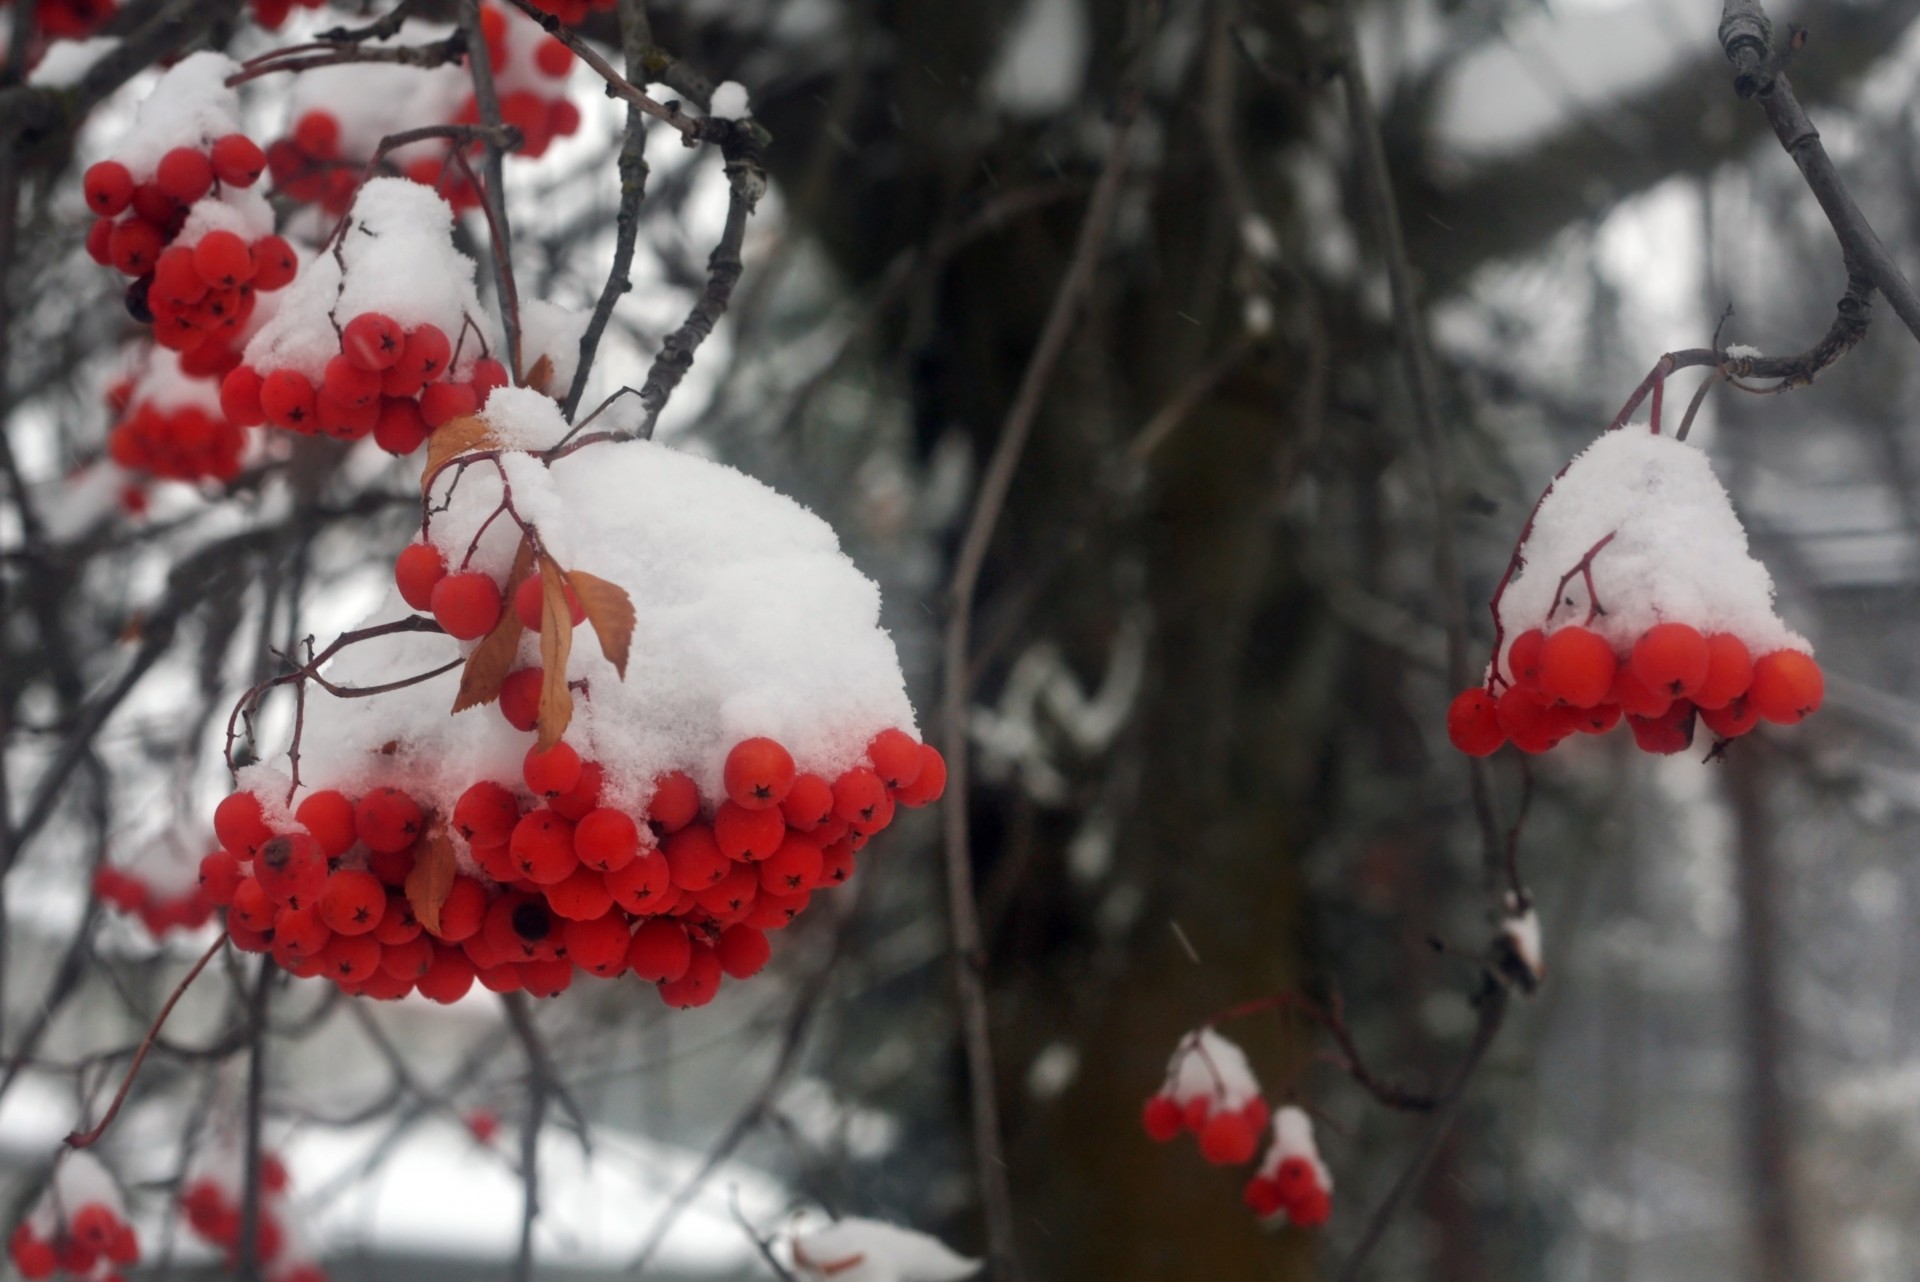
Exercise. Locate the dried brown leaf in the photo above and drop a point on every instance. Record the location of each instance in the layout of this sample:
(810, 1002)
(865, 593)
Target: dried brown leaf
(540, 377)
(610, 611)
(432, 876)
(451, 439)
(556, 645)
(491, 660)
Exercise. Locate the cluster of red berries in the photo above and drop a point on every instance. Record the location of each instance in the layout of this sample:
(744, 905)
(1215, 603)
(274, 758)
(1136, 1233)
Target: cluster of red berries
(468, 604)
(532, 86)
(387, 382)
(214, 1212)
(272, 14)
(679, 899)
(573, 12)
(178, 443)
(71, 19)
(307, 164)
(94, 1242)
(155, 211)
(158, 911)
(1572, 680)
(1292, 1182)
(202, 296)
(1227, 1136)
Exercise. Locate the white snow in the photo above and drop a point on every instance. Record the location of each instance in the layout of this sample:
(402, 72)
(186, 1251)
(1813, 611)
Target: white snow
(1742, 350)
(730, 101)
(1677, 552)
(370, 100)
(1208, 1066)
(66, 61)
(191, 106)
(751, 621)
(552, 331)
(1293, 1137)
(244, 211)
(1522, 932)
(862, 1250)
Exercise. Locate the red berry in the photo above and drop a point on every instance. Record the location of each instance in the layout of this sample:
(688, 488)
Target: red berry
(1473, 723)
(598, 945)
(372, 341)
(861, 799)
(1787, 685)
(794, 868)
(580, 896)
(1671, 658)
(1666, 734)
(350, 385)
(520, 697)
(1262, 1197)
(1530, 725)
(1729, 672)
(328, 817)
(584, 796)
(109, 187)
(416, 570)
(1523, 658)
(238, 160)
(300, 932)
(730, 899)
(1732, 721)
(448, 979)
(407, 960)
(399, 429)
(219, 877)
(530, 596)
(929, 783)
(742, 950)
(486, 814)
(675, 802)
(699, 985)
(100, 241)
(1577, 667)
(836, 864)
(292, 869)
(222, 259)
(135, 246)
(553, 58)
(550, 773)
(240, 824)
(184, 174)
(1294, 1176)
(443, 402)
(318, 134)
(1162, 1118)
(388, 820)
(275, 263)
(660, 950)
(350, 959)
(252, 907)
(353, 902)
(1311, 1209)
(286, 398)
(694, 859)
(463, 911)
(606, 839)
(467, 605)
(1597, 720)
(425, 354)
(1227, 1140)
(748, 834)
(487, 374)
(758, 773)
(397, 922)
(895, 755)
(809, 801)
(240, 397)
(542, 847)
(1633, 696)
(94, 1224)
(643, 885)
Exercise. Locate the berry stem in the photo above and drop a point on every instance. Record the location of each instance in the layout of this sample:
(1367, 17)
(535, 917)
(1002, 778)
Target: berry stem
(1584, 568)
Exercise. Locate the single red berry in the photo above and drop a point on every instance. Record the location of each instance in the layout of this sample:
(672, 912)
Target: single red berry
(1162, 1118)
(135, 246)
(794, 868)
(861, 799)
(895, 755)
(397, 922)
(1577, 666)
(694, 858)
(742, 950)
(238, 160)
(350, 959)
(836, 864)
(1527, 722)
(353, 903)
(448, 979)
(660, 951)
(1597, 720)
(520, 697)
(292, 869)
(758, 773)
(240, 397)
(222, 259)
(929, 783)
(95, 1224)
(372, 341)
(1732, 721)
(1473, 723)
(1294, 1176)
(606, 839)
(487, 375)
(1729, 672)
(328, 817)
(318, 134)
(550, 773)
(418, 568)
(542, 847)
(1311, 1209)
(407, 960)
(252, 907)
(581, 896)
(1262, 1197)
(219, 876)
(100, 241)
(399, 429)
(109, 187)
(598, 945)
(1666, 734)
(699, 985)
(275, 263)
(1633, 696)
(486, 814)
(350, 385)
(553, 58)
(388, 820)
(1227, 1140)
(1787, 686)
(530, 597)
(443, 402)
(675, 802)
(184, 174)
(1523, 658)
(426, 353)
(286, 398)
(464, 909)
(300, 932)
(241, 825)
(1671, 658)
(730, 899)
(576, 802)
(809, 801)
(642, 885)
(748, 834)
(466, 604)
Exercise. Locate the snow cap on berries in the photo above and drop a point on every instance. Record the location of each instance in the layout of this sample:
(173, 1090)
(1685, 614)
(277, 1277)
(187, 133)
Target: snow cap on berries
(366, 99)
(1293, 1137)
(1520, 941)
(862, 1250)
(1677, 552)
(1208, 1066)
(191, 106)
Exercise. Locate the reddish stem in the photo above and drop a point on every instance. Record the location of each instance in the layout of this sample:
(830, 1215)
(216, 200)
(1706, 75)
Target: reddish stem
(1584, 568)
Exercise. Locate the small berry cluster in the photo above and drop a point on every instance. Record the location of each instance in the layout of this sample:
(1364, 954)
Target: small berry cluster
(168, 435)
(1571, 680)
(557, 882)
(212, 1202)
(390, 383)
(530, 70)
(78, 1228)
(71, 19)
(307, 164)
(273, 14)
(1211, 1092)
(158, 908)
(573, 12)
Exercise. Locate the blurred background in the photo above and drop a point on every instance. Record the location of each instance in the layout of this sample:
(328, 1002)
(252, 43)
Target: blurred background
(1207, 677)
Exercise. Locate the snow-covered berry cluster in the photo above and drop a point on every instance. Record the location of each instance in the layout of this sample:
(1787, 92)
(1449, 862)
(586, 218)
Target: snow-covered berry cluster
(169, 423)
(165, 894)
(375, 339)
(1211, 1092)
(78, 1229)
(1292, 1186)
(1632, 595)
(213, 1199)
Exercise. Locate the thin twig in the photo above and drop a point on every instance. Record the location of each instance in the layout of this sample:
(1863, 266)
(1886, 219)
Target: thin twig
(494, 193)
(250, 1262)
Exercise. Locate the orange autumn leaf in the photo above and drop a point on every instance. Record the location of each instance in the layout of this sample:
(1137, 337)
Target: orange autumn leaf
(610, 611)
(540, 377)
(451, 439)
(556, 645)
(431, 879)
(491, 660)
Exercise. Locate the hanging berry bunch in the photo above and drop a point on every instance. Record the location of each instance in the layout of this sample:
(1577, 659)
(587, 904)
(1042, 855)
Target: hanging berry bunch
(78, 1228)
(67, 20)
(378, 337)
(1632, 596)
(163, 891)
(1292, 1186)
(213, 1198)
(654, 798)
(170, 423)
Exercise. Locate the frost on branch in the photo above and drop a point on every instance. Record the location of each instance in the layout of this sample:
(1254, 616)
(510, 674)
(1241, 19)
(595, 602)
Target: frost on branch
(1632, 593)
(861, 1250)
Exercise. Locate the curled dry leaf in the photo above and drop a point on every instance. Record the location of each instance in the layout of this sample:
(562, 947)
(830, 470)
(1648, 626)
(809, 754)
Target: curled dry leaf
(491, 660)
(556, 644)
(610, 611)
(540, 377)
(432, 876)
(450, 440)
